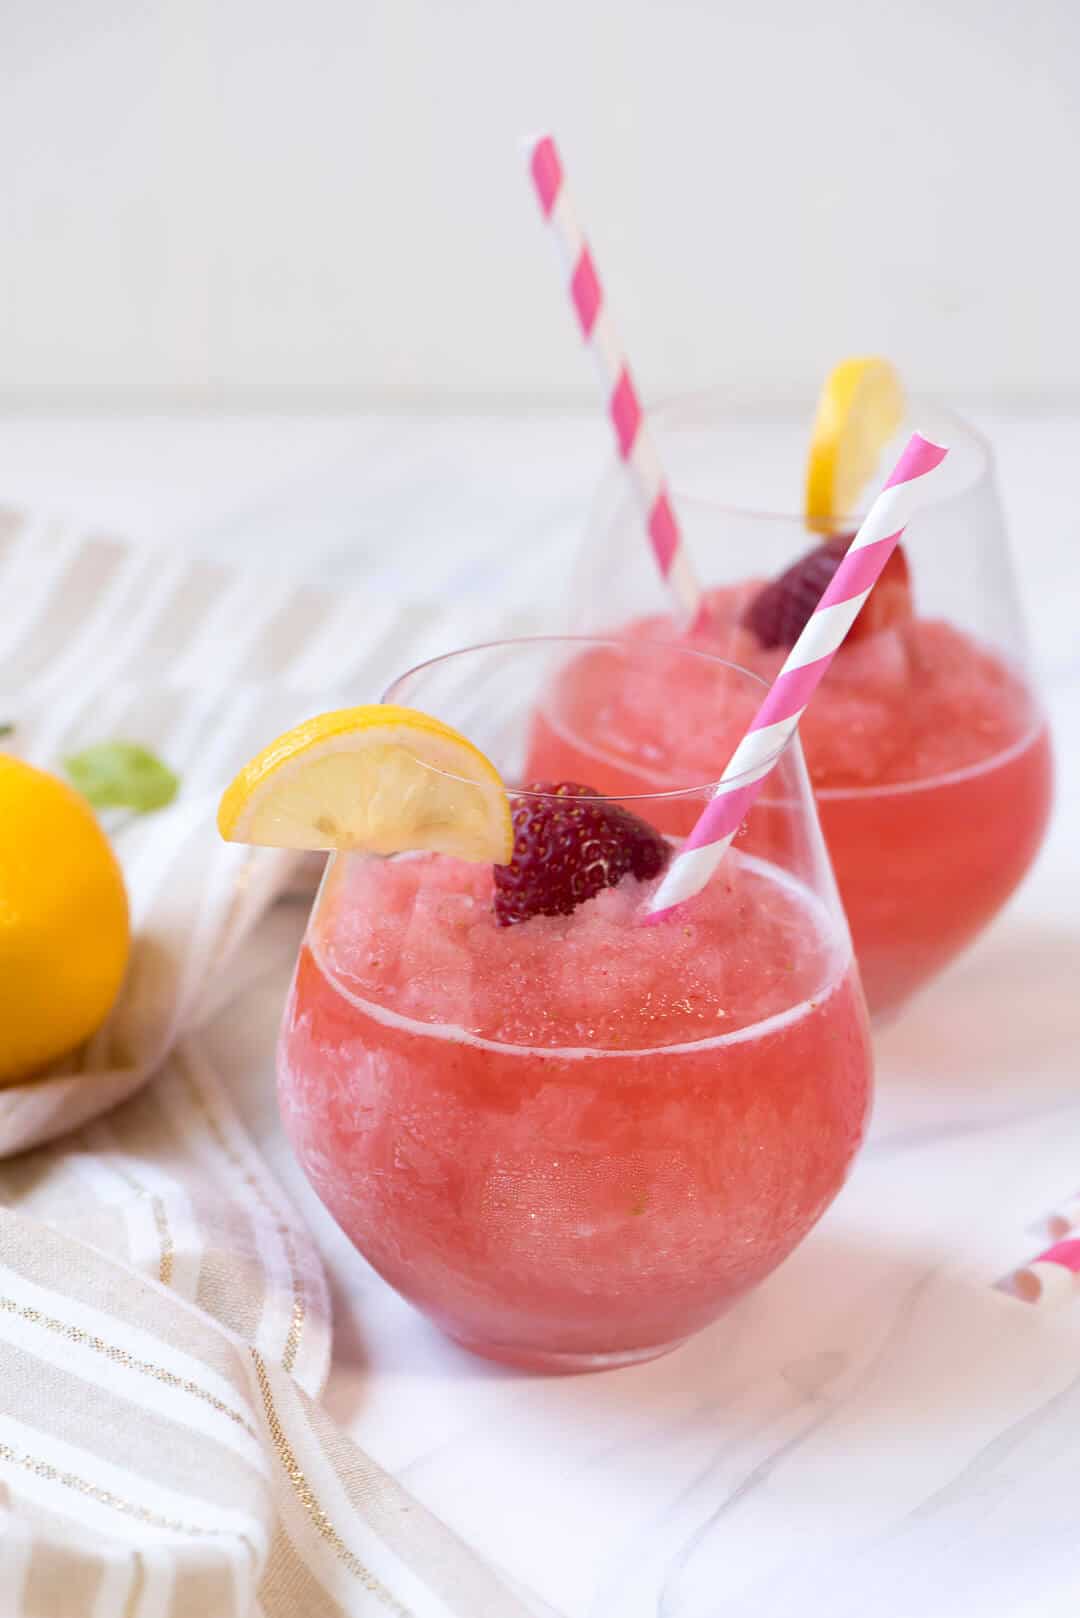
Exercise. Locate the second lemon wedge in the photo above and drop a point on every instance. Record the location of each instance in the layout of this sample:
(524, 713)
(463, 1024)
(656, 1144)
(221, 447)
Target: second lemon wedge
(382, 779)
(859, 409)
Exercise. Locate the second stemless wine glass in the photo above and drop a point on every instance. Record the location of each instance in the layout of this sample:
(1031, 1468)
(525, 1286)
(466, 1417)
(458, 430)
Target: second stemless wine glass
(926, 744)
(572, 1141)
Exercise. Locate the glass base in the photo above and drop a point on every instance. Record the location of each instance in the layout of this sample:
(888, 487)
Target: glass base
(560, 1364)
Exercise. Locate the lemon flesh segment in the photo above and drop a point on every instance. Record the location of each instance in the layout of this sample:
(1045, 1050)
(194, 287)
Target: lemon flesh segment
(380, 779)
(859, 409)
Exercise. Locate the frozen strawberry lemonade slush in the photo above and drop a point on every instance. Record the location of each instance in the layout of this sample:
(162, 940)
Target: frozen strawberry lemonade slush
(928, 754)
(573, 1139)
(568, 1137)
(927, 750)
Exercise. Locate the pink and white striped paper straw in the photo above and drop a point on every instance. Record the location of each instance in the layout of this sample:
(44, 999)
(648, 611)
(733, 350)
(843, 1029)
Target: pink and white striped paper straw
(1052, 1278)
(632, 436)
(912, 484)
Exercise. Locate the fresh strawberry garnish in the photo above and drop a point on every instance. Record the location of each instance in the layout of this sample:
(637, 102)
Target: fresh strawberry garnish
(780, 612)
(568, 845)
(889, 602)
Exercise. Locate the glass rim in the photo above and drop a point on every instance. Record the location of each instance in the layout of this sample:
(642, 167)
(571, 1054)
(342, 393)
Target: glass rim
(839, 962)
(706, 399)
(695, 789)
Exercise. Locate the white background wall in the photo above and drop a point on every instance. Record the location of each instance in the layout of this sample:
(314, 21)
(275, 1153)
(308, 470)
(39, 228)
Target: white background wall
(241, 200)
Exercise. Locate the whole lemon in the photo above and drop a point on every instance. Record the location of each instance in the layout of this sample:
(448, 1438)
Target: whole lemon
(64, 931)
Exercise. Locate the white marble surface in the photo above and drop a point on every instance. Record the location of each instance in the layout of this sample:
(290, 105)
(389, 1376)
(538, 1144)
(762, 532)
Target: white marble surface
(875, 1430)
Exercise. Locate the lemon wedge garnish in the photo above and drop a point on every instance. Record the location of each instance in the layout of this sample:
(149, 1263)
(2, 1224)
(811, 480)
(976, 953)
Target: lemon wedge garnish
(381, 779)
(858, 411)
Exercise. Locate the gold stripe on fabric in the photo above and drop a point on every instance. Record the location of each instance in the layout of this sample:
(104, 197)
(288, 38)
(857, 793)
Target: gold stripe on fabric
(131, 1444)
(299, 1309)
(120, 1356)
(166, 1246)
(168, 1251)
(306, 1496)
(115, 1502)
(60, 1579)
(100, 1282)
(465, 1581)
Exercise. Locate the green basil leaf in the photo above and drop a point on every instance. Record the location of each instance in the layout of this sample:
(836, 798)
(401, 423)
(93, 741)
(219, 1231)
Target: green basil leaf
(122, 775)
(7, 729)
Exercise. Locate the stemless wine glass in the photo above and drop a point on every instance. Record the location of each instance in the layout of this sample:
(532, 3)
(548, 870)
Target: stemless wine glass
(572, 1141)
(926, 744)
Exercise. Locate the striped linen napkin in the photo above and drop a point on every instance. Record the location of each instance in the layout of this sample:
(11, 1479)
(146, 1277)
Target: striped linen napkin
(164, 1316)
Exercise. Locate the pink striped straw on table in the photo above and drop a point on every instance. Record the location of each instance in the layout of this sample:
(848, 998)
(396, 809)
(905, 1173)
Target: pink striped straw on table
(635, 442)
(1052, 1278)
(913, 483)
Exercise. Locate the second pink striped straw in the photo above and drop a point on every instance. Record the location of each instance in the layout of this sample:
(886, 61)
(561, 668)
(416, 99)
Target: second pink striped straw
(632, 435)
(912, 484)
(1051, 1278)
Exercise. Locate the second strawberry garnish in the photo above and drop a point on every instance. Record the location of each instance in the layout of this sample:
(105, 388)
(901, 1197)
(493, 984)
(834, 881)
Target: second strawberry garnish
(569, 844)
(780, 611)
